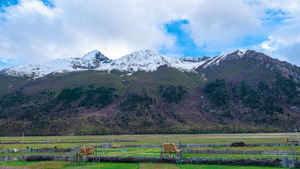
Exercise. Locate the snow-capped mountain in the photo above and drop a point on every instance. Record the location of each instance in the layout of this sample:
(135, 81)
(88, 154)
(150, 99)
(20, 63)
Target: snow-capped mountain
(148, 60)
(145, 60)
(253, 60)
(223, 58)
(92, 60)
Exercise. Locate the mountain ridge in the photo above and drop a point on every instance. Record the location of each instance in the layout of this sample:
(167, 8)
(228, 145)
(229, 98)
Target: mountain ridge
(243, 91)
(254, 60)
(145, 60)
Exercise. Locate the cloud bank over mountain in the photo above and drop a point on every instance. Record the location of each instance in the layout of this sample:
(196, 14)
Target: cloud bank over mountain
(34, 31)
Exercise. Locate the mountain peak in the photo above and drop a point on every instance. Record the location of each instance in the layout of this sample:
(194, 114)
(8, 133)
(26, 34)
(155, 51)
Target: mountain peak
(230, 56)
(146, 60)
(91, 60)
(91, 54)
(142, 55)
(95, 54)
(242, 52)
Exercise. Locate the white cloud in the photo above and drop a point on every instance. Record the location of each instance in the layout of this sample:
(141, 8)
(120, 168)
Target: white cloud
(32, 32)
(284, 43)
(222, 22)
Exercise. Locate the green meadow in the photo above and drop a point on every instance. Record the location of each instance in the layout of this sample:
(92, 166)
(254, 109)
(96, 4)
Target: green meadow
(104, 165)
(75, 141)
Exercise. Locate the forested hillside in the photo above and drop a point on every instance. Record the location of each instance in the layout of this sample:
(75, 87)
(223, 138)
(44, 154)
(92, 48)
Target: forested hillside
(234, 94)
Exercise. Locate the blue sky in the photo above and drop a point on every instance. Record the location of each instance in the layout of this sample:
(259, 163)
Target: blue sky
(41, 30)
(6, 3)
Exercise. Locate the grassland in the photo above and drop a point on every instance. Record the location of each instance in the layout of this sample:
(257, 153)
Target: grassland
(155, 152)
(155, 139)
(90, 165)
(74, 141)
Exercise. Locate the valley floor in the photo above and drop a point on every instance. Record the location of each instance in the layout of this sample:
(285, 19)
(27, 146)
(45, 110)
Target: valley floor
(87, 165)
(63, 142)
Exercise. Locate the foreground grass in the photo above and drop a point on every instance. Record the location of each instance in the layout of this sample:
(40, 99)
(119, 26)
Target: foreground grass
(18, 163)
(104, 165)
(200, 166)
(88, 165)
(157, 165)
(49, 164)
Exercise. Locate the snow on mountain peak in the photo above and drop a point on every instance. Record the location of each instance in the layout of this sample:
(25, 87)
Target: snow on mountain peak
(231, 56)
(242, 52)
(142, 55)
(91, 60)
(90, 55)
(144, 60)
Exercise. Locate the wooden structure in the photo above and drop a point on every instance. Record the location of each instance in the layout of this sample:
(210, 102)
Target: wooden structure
(168, 149)
(238, 144)
(84, 151)
(292, 140)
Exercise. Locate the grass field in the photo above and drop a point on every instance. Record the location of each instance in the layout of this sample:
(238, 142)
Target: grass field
(155, 152)
(90, 165)
(74, 141)
(255, 138)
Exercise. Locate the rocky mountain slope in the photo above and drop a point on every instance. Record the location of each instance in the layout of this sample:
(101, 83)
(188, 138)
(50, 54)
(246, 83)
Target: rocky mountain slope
(251, 60)
(144, 92)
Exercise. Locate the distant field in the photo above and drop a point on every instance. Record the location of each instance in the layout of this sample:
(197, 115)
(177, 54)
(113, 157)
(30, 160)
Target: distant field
(74, 141)
(255, 138)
